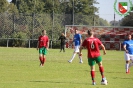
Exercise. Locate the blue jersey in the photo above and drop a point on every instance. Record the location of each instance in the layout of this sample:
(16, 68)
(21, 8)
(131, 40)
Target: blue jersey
(129, 46)
(76, 40)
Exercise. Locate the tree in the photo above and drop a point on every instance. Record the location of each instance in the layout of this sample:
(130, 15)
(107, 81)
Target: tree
(29, 6)
(3, 6)
(102, 22)
(127, 20)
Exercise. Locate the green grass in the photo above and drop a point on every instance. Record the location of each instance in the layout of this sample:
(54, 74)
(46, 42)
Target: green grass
(19, 68)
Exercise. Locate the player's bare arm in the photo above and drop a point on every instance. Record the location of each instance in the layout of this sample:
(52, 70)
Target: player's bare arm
(80, 42)
(72, 41)
(124, 47)
(80, 50)
(103, 48)
(47, 45)
(37, 45)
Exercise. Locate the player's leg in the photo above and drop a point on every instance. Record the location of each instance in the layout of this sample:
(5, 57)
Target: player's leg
(44, 59)
(80, 55)
(41, 55)
(101, 68)
(131, 63)
(63, 47)
(41, 59)
(127, 58)
(74, 54)
(60, 47)
(72, 58)
(44, 55)
(91, 63)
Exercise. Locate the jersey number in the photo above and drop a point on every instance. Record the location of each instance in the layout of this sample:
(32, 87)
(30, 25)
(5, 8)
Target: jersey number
(92, 45)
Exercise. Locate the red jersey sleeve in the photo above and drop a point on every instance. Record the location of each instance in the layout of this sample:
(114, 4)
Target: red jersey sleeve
(39, 38)
(84, 43)
(99, 42)
(47, 41)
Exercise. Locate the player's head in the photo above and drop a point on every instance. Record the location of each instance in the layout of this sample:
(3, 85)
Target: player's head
(43, 32)
(76, 31)
(62, 34)
(129, 36)
(90, 32)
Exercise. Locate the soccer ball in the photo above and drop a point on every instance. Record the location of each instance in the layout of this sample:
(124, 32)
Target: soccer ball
(105, 82)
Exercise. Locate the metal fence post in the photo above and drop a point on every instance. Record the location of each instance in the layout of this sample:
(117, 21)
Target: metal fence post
(7, 42)
(29, 43)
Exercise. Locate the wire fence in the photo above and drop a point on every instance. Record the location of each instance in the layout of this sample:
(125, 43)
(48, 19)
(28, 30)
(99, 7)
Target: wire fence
(23, 30)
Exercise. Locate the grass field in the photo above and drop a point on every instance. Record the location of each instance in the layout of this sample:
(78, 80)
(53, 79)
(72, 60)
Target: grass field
(19, 68)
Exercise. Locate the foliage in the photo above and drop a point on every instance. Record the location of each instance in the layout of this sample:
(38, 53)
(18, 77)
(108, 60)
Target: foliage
(19, 39)
(29, 6)
(103, 22)
(115, 23)
(127, 20)
(52, 15)
(7, 7)
(3, 6)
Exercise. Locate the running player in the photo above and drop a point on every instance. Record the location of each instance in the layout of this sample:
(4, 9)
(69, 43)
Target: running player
(77, 41)
(128, 48)
(43, 45)
(92, 44)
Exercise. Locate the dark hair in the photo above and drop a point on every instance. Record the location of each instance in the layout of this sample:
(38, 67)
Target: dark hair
(75, 28)
(90, 32)
(43, 30)
(128, 34)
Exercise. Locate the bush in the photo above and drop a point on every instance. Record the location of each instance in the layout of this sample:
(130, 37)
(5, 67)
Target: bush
(20, 39)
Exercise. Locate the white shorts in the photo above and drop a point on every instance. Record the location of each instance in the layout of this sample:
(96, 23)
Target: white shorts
(128, 57)
(76, 49)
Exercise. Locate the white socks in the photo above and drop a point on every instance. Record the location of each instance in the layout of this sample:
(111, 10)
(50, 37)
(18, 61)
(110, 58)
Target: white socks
(72, 57)
(131, 64)
(80, 57)
(127, 67)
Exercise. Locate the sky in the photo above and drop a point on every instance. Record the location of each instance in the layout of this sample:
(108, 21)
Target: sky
(106, 9)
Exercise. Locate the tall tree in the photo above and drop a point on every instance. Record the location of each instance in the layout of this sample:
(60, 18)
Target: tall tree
(29, 6)
(3, 6)
(79, 6)
(127, 20)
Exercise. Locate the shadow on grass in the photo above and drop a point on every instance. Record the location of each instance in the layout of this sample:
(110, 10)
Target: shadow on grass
(121, 78)
(61, 82)
(112, 72)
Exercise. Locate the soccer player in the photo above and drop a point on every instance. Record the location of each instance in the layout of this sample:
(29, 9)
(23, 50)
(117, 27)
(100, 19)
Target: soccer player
(128, 48)
(77, 41)
(92, 44)
(43, 45)
(62, 38)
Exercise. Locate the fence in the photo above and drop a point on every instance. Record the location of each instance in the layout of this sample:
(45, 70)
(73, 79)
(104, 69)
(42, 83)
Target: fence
(112, 37)
(22, 30)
